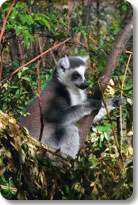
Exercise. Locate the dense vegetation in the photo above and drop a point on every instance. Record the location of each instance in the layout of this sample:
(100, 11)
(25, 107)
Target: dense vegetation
(33, 27)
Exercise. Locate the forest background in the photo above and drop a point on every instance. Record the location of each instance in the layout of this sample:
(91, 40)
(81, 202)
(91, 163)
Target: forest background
(93, 27)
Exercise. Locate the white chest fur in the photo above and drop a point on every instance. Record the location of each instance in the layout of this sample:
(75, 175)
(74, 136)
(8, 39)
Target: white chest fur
(77, 96)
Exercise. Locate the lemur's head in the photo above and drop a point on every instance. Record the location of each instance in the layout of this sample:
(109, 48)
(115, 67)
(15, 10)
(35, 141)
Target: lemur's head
(70, 71)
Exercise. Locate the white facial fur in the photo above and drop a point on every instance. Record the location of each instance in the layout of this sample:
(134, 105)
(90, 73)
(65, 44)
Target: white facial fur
(77, 95)
(64, 70)
(81, 69)
(64, 62)
(64, 76)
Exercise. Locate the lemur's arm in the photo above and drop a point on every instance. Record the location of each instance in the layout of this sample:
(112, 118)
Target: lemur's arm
(77, 112)
(74, 113)
(111, 103)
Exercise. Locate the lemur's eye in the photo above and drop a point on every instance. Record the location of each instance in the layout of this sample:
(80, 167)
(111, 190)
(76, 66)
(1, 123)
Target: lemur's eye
(75, 76)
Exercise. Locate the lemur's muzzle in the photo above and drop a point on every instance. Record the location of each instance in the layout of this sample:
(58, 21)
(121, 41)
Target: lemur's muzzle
(84, 85)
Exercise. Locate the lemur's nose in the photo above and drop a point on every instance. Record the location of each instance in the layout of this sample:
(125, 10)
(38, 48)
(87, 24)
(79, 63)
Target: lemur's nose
(86, 85)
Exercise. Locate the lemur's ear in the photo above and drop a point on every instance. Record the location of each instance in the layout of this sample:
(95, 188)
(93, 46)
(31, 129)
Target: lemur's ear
(84, 58)
(64, 63)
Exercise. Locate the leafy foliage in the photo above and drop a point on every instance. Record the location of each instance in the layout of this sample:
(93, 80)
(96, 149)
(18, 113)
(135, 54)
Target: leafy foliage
(27, 172)
(20, 90)
(23, 22)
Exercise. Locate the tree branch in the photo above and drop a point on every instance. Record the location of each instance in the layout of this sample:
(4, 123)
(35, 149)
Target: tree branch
(5, 21)
(34, 59)
(117, 50)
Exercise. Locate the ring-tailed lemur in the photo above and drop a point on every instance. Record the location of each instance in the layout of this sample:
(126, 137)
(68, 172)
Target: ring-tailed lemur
(63, 104)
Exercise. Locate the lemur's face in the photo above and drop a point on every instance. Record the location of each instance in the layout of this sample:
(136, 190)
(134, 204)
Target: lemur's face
(71, 71)
(78, 77)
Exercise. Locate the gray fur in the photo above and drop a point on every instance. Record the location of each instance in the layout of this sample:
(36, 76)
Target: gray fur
(64, 103)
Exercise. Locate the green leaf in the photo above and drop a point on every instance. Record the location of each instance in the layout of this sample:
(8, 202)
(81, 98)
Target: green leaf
(128, 87)
(26, 78)
(29, 19)
(47, 24)
(21, 27)
(15, 86)
(93, 160)
(100, 128)
(107, 136)
(20, 5)
(19, 74)
(13, 14)
(101, 140)
(84, 34)
(62, 22)
(107, 127)
(27, 37)
(76, 50)
(38, 18)
(8, 26)
(22, 18)
(3, 179)
(18, 31)
(26, 41)
(24, 69)
(101, 137)
(67, 189)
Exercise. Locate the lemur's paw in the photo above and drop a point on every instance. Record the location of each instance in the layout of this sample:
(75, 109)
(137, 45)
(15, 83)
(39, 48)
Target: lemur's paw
(117, 101)
(95, 104)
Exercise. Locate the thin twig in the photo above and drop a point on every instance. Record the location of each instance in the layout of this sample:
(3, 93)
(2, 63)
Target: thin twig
(53, 57)
(5, 21)
(41, 51)
(123, 82)
(113, 129)
(8, 188)
(53, 191)
(1, 36)
(34, 59)
(124, 77)
(1, 65)
(20, 50)
(40, 105)
(69, 15)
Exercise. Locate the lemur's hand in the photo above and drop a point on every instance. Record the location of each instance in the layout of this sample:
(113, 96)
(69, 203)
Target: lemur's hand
(117, 101)
(94, 104)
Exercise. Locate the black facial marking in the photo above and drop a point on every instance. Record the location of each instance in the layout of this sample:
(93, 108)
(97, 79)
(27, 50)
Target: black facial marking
(62, 67)
(75, 75)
